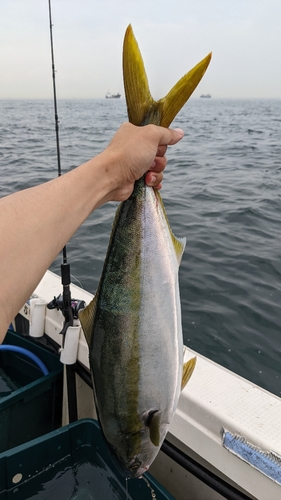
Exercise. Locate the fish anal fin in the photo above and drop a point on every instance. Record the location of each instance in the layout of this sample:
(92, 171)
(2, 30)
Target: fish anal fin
(153, 421)
(179, 245)
(86, 317)
(187, 371)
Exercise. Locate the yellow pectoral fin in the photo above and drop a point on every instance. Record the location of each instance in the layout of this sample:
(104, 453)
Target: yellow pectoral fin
(153, 423)
(187, 371)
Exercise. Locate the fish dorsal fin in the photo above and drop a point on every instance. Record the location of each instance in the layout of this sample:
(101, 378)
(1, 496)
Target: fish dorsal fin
(138, 96)
(187, 371)
(142, 108)
(86, 317)
(153, 421)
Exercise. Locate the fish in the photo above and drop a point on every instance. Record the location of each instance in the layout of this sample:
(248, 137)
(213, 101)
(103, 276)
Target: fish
(133, 324)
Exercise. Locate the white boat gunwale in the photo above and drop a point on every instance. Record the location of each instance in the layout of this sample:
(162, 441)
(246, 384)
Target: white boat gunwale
(214, 400)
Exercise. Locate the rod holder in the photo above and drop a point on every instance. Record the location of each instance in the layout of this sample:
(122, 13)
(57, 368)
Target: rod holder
(37, 317)
(69, 351)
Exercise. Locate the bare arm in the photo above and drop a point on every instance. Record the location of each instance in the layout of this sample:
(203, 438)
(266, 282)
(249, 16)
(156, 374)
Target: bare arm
(36, 223)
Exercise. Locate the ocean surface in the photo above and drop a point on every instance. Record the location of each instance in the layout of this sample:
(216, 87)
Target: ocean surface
(222, 191)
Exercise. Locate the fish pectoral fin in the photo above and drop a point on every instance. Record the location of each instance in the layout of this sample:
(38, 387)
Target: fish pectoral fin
(153, 421)
(182, 90)
(187, 371)
(86, 317)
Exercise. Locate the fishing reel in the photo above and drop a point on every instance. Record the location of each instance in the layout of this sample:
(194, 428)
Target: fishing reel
(76, 305)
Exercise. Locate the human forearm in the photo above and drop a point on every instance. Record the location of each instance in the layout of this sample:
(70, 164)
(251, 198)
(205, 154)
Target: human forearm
(36, 223)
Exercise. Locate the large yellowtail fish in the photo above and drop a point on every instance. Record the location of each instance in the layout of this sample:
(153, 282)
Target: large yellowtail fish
(133, 325)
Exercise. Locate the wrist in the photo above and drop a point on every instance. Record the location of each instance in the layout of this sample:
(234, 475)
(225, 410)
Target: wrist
(102, 178)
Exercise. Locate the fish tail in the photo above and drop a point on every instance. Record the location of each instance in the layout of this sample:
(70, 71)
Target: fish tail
(142, 108)
(181, 91)
(138, 96)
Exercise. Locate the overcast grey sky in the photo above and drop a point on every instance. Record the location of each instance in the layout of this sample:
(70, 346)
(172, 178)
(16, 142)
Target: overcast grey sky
(244, 36)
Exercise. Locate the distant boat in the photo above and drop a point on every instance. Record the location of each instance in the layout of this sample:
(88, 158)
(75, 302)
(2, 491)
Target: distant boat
(112, 96)
(205, 95)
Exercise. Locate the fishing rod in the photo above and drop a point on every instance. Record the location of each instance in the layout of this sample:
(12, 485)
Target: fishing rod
(66, 304)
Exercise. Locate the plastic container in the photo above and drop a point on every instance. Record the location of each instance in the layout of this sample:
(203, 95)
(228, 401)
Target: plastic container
(30, 403)
(70, 463)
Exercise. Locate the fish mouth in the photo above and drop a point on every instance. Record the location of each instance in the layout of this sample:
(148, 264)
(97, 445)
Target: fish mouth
(130, 469)
(135, 469)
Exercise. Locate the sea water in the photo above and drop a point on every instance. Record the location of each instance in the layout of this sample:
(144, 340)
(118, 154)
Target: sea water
(222, 190)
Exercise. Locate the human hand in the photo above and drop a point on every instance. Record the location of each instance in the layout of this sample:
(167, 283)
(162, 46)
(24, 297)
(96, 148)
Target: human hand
(135, 151)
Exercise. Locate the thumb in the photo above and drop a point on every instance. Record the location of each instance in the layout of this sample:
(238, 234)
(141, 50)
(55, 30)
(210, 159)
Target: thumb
(170, 136)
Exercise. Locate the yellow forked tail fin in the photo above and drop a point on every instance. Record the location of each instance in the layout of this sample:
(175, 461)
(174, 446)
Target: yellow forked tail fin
(142, 108)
